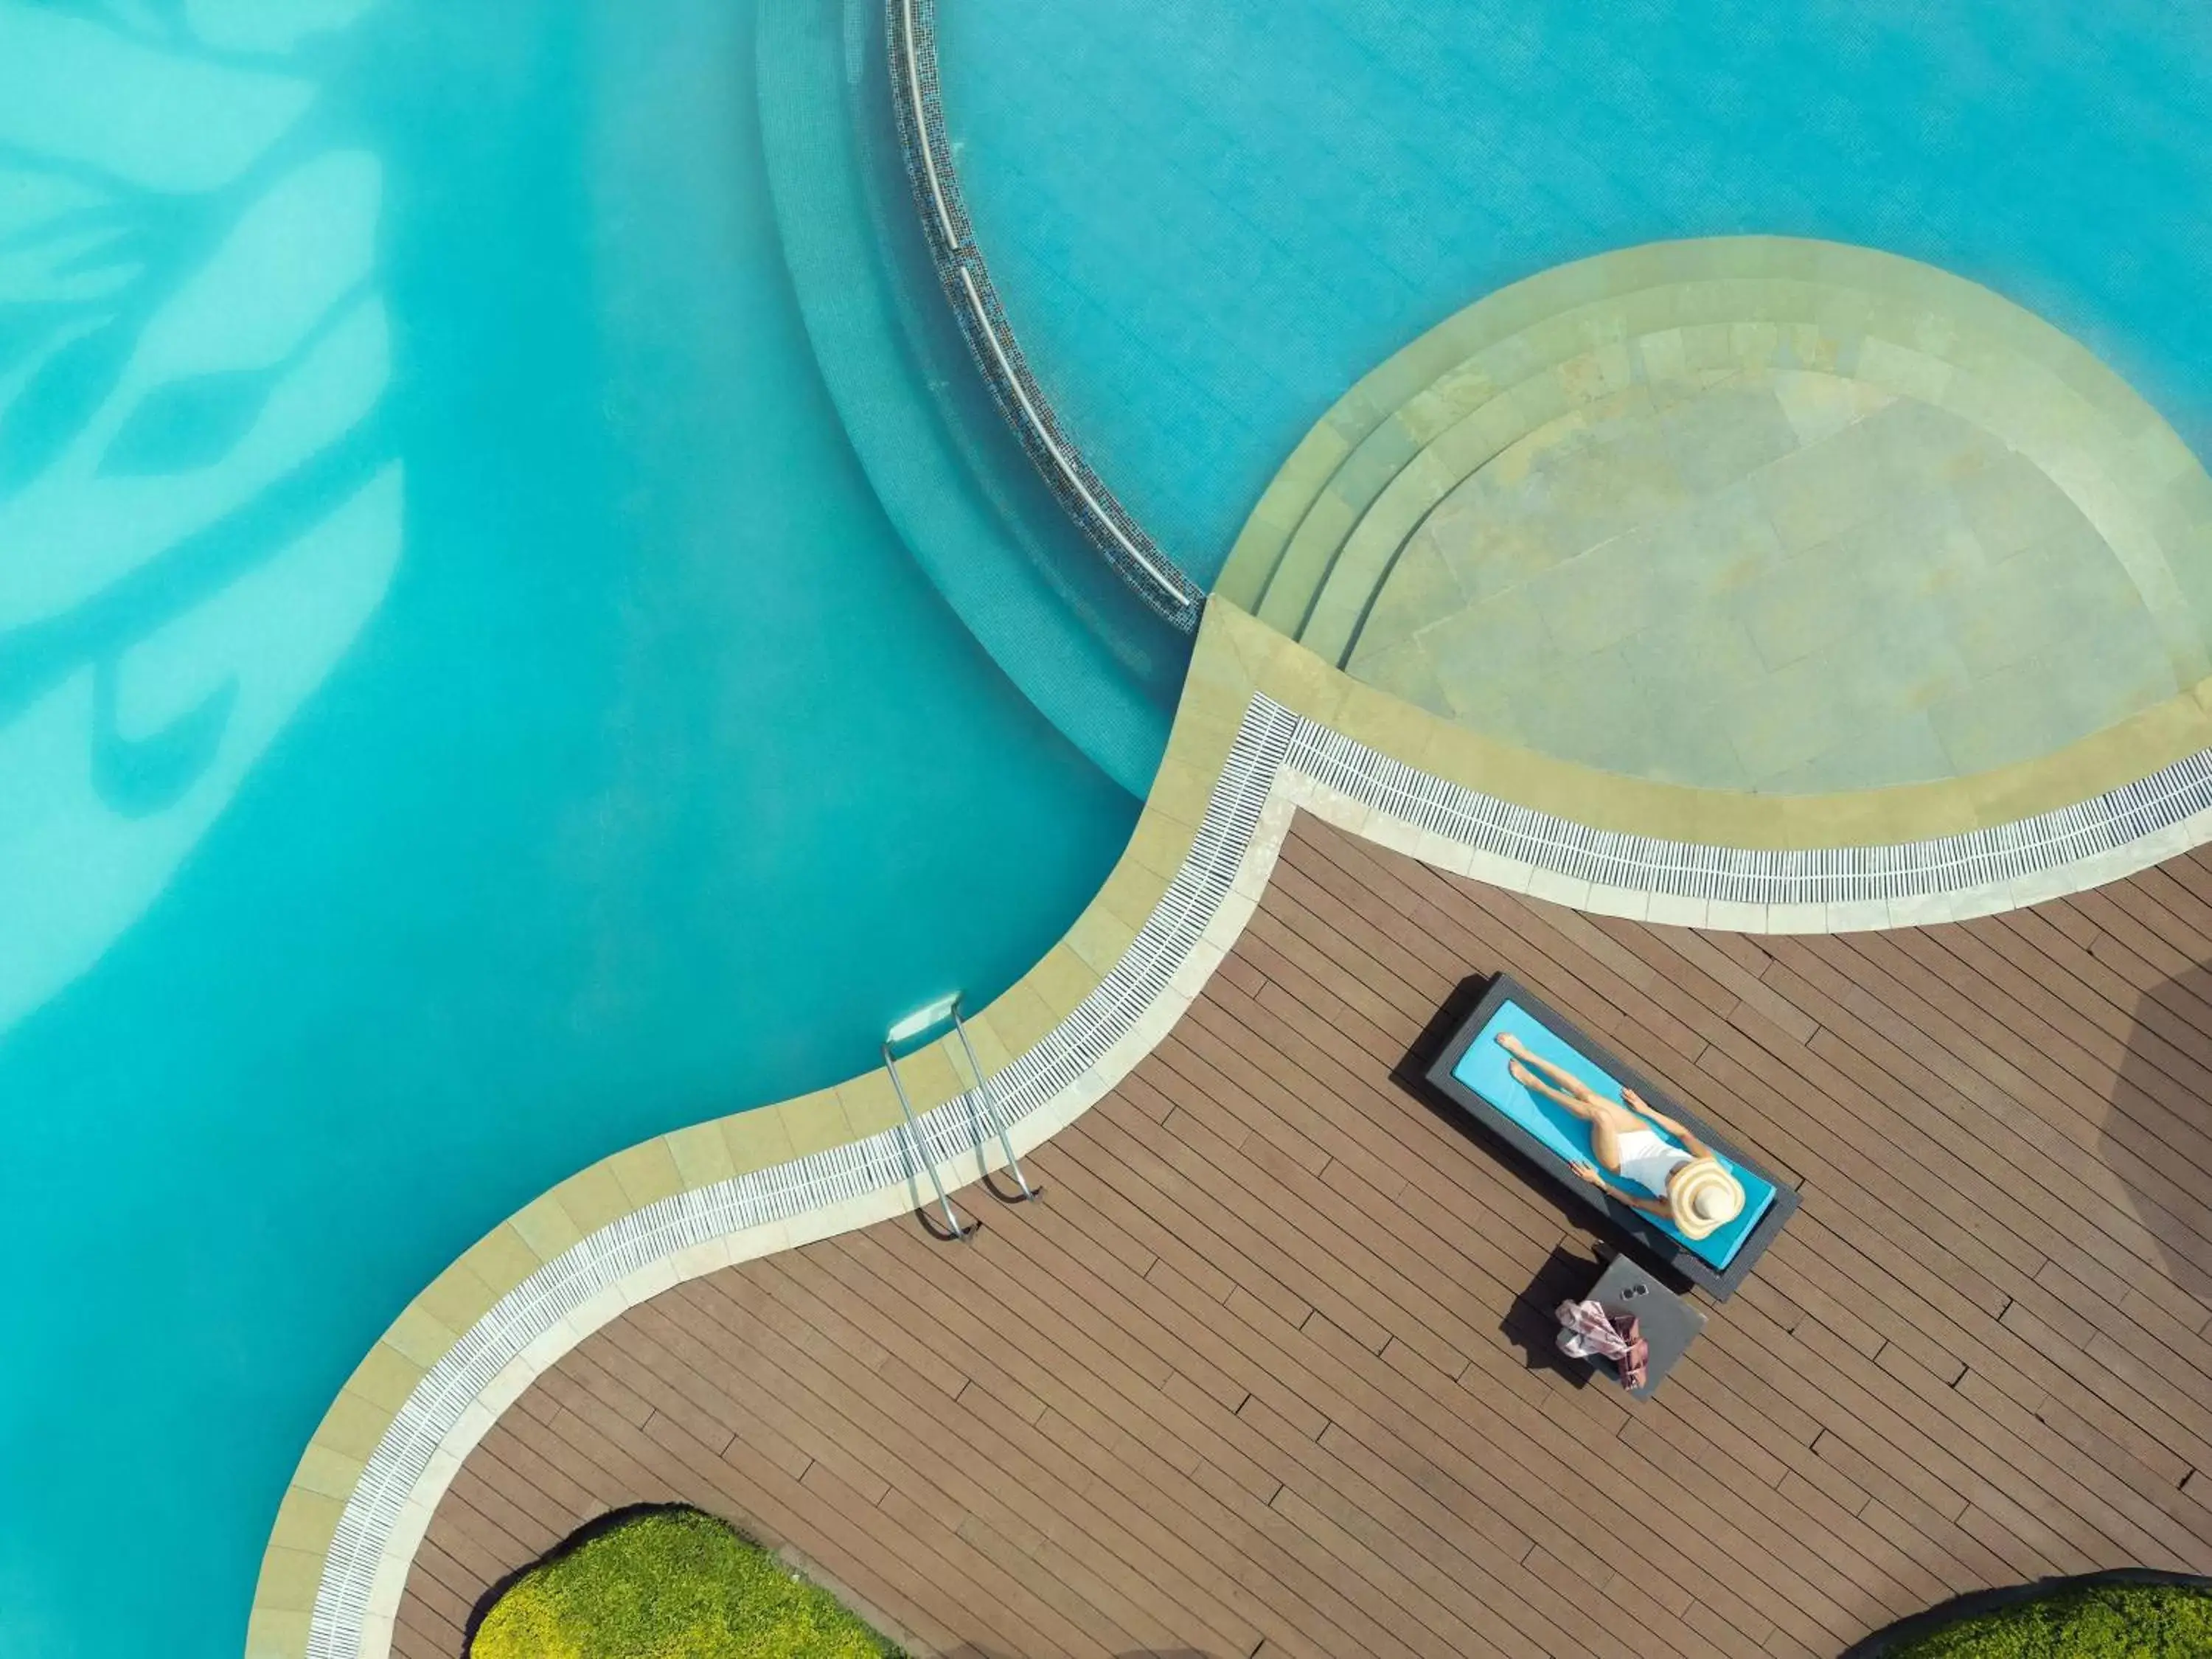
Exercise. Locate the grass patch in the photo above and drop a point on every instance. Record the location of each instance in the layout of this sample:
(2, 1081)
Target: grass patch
(669, 1584)
(2091, 1621)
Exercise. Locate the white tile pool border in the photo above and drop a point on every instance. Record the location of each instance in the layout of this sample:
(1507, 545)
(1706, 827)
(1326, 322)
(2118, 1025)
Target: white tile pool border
(1825, 890)
(1279, 763)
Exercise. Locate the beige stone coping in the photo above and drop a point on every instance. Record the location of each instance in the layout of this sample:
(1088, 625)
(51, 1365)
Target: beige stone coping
(1240, 659)
(1279, 667)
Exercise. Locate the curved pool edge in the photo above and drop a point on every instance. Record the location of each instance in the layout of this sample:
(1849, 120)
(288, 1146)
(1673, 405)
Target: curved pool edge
(1265, 728)
(701, 1197)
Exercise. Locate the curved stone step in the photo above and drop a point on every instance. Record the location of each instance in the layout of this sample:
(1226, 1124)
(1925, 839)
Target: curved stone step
(1522, 366)
(1764, 515)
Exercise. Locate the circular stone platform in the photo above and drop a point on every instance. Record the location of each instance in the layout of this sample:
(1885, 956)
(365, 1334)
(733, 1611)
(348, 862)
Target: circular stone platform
(1756, 515)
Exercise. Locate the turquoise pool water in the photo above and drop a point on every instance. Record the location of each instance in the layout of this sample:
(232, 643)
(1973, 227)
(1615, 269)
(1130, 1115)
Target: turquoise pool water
(462, 709)
(1208, 221)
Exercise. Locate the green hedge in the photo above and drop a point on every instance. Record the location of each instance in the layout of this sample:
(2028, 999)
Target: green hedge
(2092, 1621)
(669, 1584)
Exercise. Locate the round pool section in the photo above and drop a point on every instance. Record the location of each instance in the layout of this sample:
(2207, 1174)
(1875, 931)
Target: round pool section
(1207, 222)
(462, 709)
(1753, 515)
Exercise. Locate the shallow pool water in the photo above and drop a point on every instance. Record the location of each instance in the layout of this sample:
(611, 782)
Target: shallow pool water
(462, 710)
(1207, 222)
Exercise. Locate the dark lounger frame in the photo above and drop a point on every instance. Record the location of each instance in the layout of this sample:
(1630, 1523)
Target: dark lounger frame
(1655, 1243)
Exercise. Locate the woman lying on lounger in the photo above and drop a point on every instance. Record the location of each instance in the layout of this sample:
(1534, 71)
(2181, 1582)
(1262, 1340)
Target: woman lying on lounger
(1692, 1189)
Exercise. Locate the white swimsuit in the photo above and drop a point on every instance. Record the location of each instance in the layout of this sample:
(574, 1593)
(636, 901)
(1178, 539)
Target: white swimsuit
(1649, 1160)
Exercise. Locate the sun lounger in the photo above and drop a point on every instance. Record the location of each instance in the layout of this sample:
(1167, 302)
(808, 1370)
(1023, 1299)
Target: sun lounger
(1470, 1072)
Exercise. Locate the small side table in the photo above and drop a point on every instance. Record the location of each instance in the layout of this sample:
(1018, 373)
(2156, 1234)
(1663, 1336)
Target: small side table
(1667, 1324)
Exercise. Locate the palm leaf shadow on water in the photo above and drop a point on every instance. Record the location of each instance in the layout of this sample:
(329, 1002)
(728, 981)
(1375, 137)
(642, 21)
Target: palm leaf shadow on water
(149, 242)
(193, 384)
(185, 426)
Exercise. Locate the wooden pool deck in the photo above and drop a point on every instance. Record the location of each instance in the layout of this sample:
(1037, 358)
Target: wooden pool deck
(1267, 1371)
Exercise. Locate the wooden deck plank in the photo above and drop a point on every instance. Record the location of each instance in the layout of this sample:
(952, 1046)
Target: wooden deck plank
(2160, 1082)
(2141, 1166)
(421, 1633)
(862, 1414)
(1266, 1372)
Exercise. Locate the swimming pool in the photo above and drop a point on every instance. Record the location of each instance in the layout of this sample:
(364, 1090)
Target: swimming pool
(1266, 197)
(461, 700)
(462, 709)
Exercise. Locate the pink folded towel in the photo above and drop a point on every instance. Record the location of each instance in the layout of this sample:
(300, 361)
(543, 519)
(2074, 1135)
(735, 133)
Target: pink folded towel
(1587, 1331)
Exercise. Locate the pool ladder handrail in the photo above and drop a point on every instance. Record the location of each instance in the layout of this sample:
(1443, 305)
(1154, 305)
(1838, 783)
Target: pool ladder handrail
(988, 1106)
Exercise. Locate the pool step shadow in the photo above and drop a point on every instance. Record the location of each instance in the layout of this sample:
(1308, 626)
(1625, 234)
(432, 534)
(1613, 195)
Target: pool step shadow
(1000, 547)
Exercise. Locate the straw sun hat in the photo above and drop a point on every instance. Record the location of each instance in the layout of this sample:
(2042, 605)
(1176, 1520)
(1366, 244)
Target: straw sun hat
(1704, 1195)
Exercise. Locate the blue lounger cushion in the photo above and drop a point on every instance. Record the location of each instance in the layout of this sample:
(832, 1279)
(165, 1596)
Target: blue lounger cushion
(1482, 1069)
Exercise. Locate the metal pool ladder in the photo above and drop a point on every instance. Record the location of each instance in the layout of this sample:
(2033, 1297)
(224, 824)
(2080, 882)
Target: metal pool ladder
(988, 1116)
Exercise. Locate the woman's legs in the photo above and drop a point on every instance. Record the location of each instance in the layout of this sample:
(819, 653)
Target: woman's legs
(1607, 1118)
(1561, 1077)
